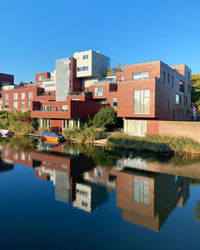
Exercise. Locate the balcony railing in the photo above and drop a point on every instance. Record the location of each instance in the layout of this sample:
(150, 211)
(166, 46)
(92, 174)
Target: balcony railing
(141, 79)
(51, 110)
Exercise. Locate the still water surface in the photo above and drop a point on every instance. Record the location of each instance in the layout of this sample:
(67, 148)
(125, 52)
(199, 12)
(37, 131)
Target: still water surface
(65, 197)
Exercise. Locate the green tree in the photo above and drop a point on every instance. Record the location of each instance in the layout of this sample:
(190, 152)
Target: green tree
(195, 91)
(105, 118)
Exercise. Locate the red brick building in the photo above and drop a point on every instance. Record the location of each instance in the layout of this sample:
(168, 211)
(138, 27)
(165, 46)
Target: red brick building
(21, 98)
(142, 94)
(153, 91)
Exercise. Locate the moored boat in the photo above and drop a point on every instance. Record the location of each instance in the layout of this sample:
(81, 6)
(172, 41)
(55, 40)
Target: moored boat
(53, 137)
(5, 133)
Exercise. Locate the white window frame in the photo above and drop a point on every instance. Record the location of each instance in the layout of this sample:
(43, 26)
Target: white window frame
(143, 104)
(30, 95)
(15, 105)
(23, 95)
(97, 92)
(140, 76)
(15, 96)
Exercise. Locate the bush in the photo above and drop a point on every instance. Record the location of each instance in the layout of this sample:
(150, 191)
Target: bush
(69, 134)
(88, 122)
(21, 128)
(87, 135)
(106, 118)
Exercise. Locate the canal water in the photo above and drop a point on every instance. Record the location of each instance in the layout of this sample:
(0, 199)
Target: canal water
(70, 197)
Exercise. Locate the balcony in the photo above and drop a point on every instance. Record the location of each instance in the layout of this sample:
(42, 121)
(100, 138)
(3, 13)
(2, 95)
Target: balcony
(140, 79)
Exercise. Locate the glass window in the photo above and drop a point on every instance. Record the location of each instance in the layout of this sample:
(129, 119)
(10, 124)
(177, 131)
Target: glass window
(30, 95)
(178, 99)
(15, 105)
(85, 57)
(22, 96)
(168, 78)
(141, 191)
(6, 96)
(140, 76)
(172, 81)
(64, 107)
(6, 105)
(41, 78)
(114, 102)
(15, 96)
(141, 102)
(23, 105)
(99, 91)
(29, 104)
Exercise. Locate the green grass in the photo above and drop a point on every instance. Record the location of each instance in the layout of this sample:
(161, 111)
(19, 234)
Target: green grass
(156, 143)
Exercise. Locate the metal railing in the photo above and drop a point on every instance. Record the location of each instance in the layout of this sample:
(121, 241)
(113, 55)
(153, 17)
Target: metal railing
(140, 79)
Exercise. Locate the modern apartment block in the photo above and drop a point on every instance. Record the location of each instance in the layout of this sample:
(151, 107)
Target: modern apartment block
(80, 86)
(91, 66)
(153, 91)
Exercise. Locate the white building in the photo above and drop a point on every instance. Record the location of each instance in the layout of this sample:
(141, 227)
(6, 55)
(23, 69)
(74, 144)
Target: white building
(91, 65)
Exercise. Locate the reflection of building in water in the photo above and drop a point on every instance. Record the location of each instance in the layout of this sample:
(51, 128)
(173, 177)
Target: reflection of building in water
(147, 198)
(59, 179)
(89, 196)
(146, 191)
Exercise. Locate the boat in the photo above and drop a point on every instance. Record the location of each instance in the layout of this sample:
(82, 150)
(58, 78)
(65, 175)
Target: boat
(52, 137)
(5, 133)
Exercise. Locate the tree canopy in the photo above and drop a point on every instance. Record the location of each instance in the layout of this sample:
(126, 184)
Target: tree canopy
(195, 92)
(106, 118)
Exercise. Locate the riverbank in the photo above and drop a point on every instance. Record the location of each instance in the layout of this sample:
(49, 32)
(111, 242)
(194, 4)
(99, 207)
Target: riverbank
(156, 144)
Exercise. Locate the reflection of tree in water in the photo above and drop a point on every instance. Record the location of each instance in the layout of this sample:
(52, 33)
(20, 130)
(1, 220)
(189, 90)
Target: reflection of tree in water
(197, 211)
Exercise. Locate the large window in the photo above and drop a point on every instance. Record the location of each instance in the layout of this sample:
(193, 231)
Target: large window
(30, 95)
(140, 76)
(15, 96)
(114, 102)
(141, 102)
(99, 91)
(22, 96)
(141, 191)
(6, 97)
(15, 105)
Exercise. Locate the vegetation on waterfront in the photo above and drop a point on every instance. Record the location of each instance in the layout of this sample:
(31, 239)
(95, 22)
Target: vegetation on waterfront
(195, 91)
(106, 118)
(18, 122)
(155, 143)
(94, 128)
(87, 135)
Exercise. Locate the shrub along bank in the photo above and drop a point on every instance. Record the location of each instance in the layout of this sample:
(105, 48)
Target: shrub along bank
(156, 143)
(18, 122)
(84, 136)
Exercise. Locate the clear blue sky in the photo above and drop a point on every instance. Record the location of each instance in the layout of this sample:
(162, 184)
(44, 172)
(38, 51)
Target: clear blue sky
(33, 34)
